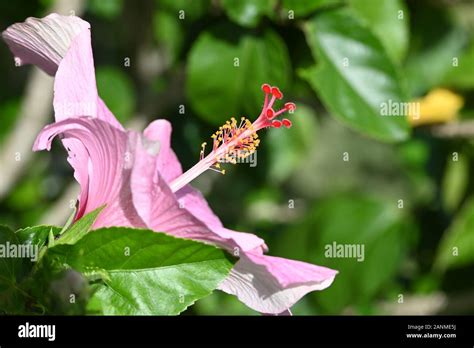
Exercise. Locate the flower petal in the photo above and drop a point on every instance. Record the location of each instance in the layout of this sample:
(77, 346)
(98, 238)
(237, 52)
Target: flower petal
(61, 46)
(167, 162)
(271, 284)
(75, 89)
(43, 41)
(102, 158)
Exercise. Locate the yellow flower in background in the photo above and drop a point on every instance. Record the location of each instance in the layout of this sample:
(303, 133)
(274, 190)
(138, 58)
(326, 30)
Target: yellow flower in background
(438, 106)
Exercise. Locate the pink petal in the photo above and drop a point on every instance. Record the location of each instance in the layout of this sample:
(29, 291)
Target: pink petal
(102, 159)
(271, 284)
(75, 89)
(43, 41)
(167, 162)
(61, 46)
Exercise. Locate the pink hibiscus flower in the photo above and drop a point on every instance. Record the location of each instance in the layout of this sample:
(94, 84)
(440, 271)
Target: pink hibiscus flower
(138, 176)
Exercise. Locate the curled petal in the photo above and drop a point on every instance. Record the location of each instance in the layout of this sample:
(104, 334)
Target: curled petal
(43, 41)
(102, 158)
(61, 46)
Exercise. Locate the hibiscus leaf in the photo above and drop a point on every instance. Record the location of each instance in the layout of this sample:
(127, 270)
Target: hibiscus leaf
(146, 272)
(80, 228)
(354, 75)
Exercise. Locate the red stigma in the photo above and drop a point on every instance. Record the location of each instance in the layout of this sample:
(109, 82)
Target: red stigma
(276, 93)
(276, 124)
(290, 106)
(268, 115)
(286, 122)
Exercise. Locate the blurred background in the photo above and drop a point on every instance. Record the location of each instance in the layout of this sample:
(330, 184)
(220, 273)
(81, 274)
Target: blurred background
(399, 185)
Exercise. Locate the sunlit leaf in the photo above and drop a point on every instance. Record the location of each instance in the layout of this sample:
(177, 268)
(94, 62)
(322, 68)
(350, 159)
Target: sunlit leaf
(354, 76)
(144, 272)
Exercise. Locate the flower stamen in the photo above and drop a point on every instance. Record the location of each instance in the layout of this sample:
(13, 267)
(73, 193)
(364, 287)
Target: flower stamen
(234, 141)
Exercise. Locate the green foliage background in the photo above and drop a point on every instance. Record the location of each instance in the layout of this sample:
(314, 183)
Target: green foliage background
(300, 46)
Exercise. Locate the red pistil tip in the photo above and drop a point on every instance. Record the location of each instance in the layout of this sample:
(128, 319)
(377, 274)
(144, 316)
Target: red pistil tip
(266, 88)
(276, 124)
(270, 113)
(276, 93)
(286, 122)
(290, 106)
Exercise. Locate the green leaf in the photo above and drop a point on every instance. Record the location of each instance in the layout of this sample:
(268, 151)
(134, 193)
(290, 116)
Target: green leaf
(225, 75)
(305, 7)
(116, 89)
(380, 227)
(144, 272)
(289, 147)
(248, 12)
(13, 269)
(354, 76)
(389, 21)
(80, 228)
(457, 246)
